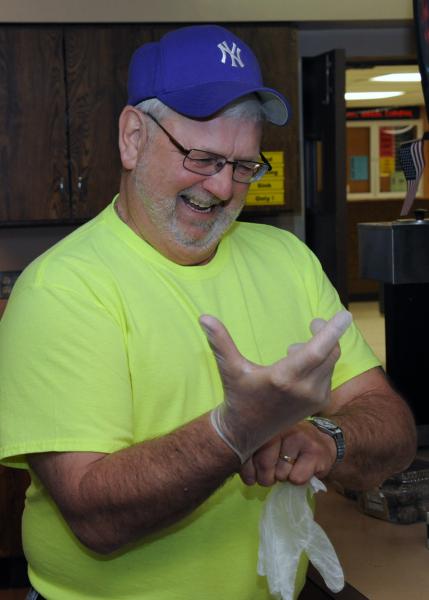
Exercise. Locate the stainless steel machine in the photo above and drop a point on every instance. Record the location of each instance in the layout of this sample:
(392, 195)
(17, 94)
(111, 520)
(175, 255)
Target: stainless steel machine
(397, 255)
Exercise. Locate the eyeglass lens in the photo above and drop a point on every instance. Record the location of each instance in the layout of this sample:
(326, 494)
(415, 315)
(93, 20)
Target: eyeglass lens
(205, 163)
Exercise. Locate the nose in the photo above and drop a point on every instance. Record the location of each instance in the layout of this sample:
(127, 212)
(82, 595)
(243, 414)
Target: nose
(220, 184)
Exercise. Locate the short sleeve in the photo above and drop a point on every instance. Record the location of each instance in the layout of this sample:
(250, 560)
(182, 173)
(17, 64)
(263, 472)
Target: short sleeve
(64, 378)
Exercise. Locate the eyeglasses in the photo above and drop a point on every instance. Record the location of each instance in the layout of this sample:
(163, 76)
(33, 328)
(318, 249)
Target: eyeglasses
(208, 163)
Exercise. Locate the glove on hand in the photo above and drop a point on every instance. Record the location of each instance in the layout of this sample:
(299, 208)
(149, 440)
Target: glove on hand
(260, 401)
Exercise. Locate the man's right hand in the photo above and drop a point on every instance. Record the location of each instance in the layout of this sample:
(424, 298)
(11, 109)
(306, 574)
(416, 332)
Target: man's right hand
(260, 401)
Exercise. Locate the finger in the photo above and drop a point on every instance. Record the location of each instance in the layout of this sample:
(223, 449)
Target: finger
(248, 472)
(221, 342)
(303, 466)
(312, 455)
(320, 346)
(265, 462)
(317, 325)
(289, 453)
(339, 323)
(303, 470)
(284, 466)
(329, 332)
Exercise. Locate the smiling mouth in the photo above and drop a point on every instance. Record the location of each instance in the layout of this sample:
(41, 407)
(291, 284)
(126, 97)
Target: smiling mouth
(200, 208)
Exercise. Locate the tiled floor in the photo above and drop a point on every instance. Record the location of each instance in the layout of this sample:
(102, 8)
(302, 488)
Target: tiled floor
(371, 323)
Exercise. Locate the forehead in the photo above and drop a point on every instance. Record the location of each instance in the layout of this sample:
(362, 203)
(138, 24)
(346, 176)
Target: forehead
(223, 135)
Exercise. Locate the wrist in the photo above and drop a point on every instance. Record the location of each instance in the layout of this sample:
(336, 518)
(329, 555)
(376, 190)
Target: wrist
(217, 424)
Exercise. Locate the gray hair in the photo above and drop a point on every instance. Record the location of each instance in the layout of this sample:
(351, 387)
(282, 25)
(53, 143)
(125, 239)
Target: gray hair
(155, 107)
(248, 107)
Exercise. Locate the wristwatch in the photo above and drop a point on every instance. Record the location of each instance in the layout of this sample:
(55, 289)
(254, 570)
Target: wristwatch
(334, 431)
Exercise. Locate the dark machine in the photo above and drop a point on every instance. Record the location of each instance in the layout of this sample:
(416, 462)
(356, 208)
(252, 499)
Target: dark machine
(397, 254)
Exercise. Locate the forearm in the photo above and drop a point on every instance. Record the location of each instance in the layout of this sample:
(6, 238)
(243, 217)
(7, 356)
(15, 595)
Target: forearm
(380, 437)
(128, 494)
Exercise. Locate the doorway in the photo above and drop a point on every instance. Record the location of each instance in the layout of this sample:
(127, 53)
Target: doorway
(324, 163)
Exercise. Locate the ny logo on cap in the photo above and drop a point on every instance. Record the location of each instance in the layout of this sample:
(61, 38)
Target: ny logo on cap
(234, 54)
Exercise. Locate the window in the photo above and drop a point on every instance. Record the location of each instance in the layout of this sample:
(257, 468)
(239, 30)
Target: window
(373, 168)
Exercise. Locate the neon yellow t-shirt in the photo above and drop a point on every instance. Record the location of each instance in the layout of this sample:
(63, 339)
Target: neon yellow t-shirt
(100, 348)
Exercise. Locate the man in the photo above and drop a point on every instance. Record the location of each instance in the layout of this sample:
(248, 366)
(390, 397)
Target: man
(134, 427)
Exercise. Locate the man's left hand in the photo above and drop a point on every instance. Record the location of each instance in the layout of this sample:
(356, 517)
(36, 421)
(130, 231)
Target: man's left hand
(310, 452)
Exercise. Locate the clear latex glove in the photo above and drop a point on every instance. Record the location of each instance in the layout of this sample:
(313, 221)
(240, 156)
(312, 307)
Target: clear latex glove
(287, 528)
(260, 401)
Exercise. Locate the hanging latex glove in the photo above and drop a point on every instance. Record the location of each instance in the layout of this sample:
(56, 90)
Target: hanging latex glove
(287, 528)
(260, 401)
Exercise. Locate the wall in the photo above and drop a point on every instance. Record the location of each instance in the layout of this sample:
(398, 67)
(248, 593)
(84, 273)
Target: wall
(170, 11)
(369, 41)
(25, 243)
(20, 245)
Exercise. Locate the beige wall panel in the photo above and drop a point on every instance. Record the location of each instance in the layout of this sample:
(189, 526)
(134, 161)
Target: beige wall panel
(86, 11)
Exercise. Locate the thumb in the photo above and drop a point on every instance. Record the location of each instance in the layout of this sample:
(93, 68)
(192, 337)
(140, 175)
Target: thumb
(225, 351)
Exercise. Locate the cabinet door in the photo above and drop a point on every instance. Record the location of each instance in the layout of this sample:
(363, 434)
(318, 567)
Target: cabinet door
(33, 162)
(97, 60)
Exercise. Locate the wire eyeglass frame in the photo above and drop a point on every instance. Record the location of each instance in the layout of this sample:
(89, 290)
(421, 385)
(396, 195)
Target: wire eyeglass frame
(202, 162)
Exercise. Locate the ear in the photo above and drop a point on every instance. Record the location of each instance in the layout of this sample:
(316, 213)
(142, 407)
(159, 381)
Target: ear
(132, 135)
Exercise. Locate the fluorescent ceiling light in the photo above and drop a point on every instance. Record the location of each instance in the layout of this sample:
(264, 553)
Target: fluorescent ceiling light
(371, 95)
(398, 77)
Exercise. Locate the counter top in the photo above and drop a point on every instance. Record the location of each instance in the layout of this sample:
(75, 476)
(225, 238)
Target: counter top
(382, 560)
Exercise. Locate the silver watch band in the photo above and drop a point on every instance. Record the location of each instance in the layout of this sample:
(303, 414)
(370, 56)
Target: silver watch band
(334, 431)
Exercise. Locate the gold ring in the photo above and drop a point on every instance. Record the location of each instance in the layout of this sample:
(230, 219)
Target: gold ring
(288, 459)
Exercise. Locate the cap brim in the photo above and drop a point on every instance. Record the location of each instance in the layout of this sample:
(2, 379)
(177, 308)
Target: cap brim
(202, 101)
(275, 106)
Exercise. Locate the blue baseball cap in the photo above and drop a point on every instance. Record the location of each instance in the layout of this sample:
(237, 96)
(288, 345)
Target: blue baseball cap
(199, 70)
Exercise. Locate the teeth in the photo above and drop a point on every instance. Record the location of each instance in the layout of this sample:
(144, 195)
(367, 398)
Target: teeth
(200, 208)
(198, 204)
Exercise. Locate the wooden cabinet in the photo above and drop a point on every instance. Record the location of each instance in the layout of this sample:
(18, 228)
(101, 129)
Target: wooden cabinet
(61, 92)
(33, 159)
(96, 60)
(62, 89)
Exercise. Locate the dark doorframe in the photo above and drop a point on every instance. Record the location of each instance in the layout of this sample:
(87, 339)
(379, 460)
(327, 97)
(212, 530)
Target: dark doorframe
(324, 113)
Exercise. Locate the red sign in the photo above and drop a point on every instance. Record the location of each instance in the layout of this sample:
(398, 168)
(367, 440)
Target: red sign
(387, 146)
(371, 114)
